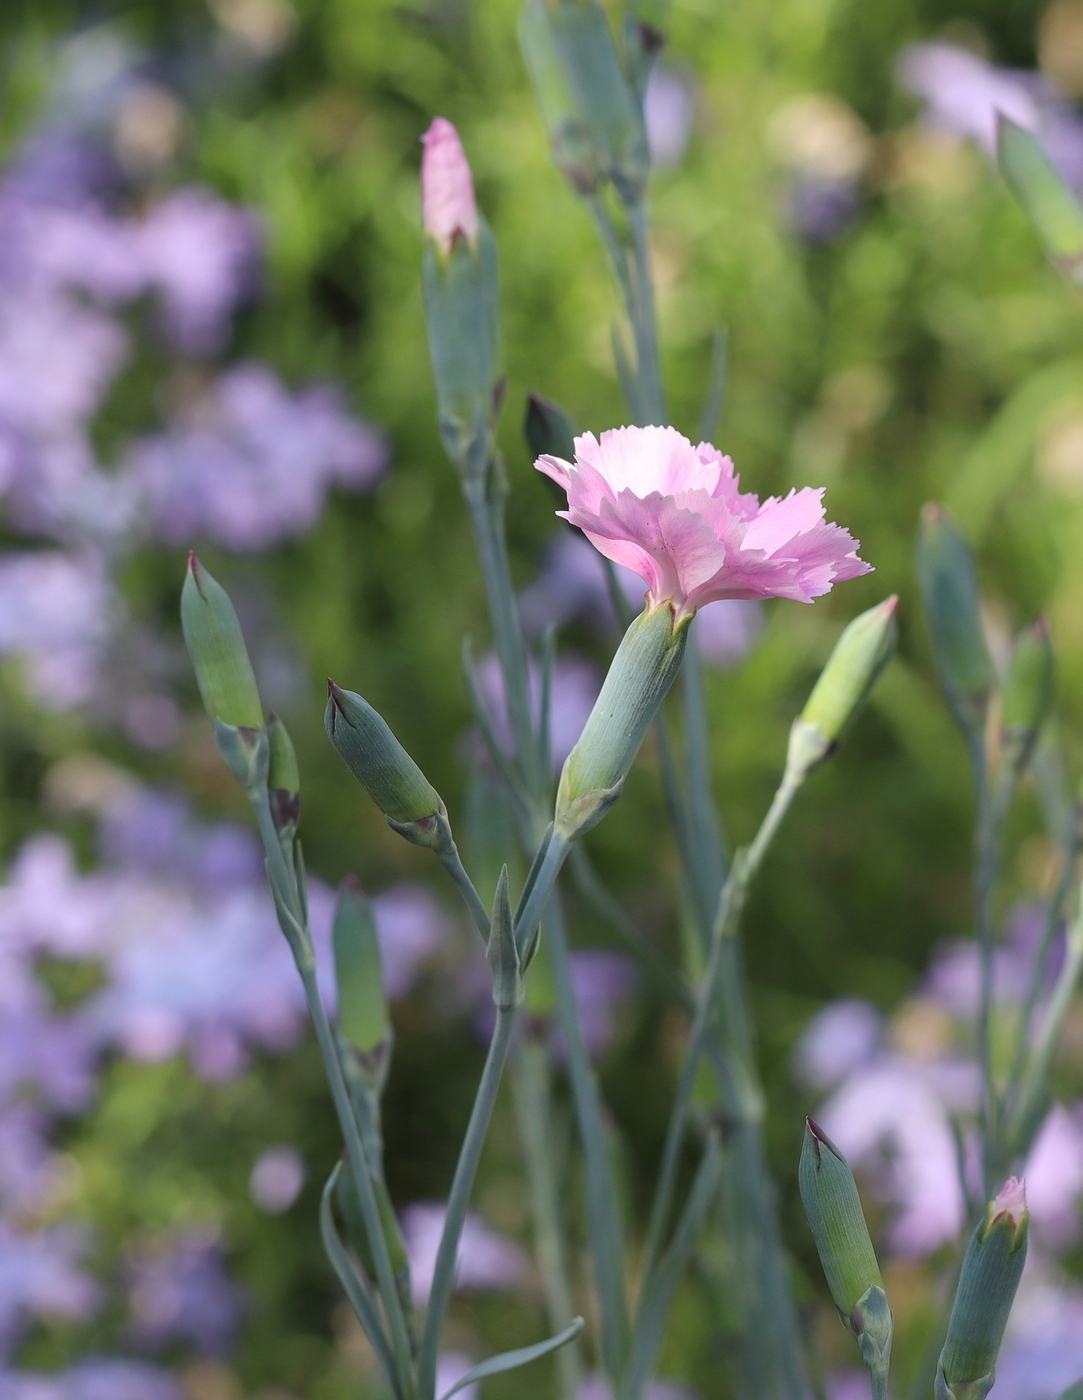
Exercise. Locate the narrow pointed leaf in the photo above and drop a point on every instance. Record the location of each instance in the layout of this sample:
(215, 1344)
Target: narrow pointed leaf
(358, 1292)
(511, 1360)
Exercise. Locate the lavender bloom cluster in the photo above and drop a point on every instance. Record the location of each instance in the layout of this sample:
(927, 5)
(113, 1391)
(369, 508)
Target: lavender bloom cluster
(175, 914)
(242, 459)
(897, 1093)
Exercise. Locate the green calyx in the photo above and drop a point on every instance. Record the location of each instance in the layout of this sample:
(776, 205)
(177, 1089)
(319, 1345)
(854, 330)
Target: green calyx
(216, 646)
(983, 1300)
(860, 654)
(364, 740)
(639, 676)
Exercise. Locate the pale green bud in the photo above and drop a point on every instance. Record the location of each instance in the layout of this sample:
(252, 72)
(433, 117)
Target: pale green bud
(949, 586)
(502, 953)
(1048, 203)
(462, 307)
(216, 646)
(853, 667)
(363, 1019)
(283, 777)
(382, 766)
(1027, 694)
(640, 674)
(983, 1300)
(829, 1194)
(594, 117)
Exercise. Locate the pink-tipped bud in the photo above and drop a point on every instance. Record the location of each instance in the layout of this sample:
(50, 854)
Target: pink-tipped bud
(1010, 1202)
(448, 207)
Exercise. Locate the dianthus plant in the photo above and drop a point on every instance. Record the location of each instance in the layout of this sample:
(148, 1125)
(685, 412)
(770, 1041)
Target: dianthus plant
(673, 513)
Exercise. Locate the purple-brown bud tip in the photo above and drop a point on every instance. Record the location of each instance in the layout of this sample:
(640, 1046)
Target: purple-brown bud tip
(448, 208)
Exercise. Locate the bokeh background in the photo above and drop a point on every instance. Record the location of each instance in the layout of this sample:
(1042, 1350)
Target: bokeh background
(212, 336)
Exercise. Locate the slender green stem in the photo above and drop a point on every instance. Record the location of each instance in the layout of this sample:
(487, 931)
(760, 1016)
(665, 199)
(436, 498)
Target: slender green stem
(459, 1199)
(731, 902)
(530, 1080)
(282, 872)
(530, 916)
(452, 863)
(1035, 1083)
(1053, 915)
(484, 500)
(643, 317)
(656, 1300)
(603, 1219)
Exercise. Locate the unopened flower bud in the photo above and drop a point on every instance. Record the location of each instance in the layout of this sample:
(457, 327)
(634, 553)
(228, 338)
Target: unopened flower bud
(448, 208)
(639, 676)
(216, 646)
(283, 777)
(382, 766)
(503, 955)
(1048, 203)
(363, 1019)
(1027, 694)
(548, 428)
(860, 654)
(594, 119)
(461, 285)
(833, 1207)
(949, 586)
(987, 1284)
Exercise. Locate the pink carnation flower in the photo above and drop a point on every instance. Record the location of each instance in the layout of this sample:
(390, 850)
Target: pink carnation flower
(673, 513)
(448, 209)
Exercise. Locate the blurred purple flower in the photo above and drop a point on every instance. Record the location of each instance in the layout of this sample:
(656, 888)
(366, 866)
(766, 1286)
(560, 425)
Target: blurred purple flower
(575, 687)
(27, 1161)
(963, 93)
(1042, 1354)
(92, 1378)
(56, 612)
(153, 831)
(822, 210)
(40, 1277)
(410, 926)
(210, 978)
(601, 981)
(251, 463)
(892, 1119)
(486, 1260)
(451, 1366)
(838, 1040)
(598, 1387)
(179, 1292)
(200, 254)
(1054, 1177)
(277, 1177)
(954, 976)
(669, 110)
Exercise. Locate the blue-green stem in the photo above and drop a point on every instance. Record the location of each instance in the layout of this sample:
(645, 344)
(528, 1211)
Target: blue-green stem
(356, 1156)
(459, 1199)
(530, 1081)
(993, 802)
(1035, 1080)
(1054, 915)
(603, 1219)
(529, 916)
(744, 868)
(485, 503)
